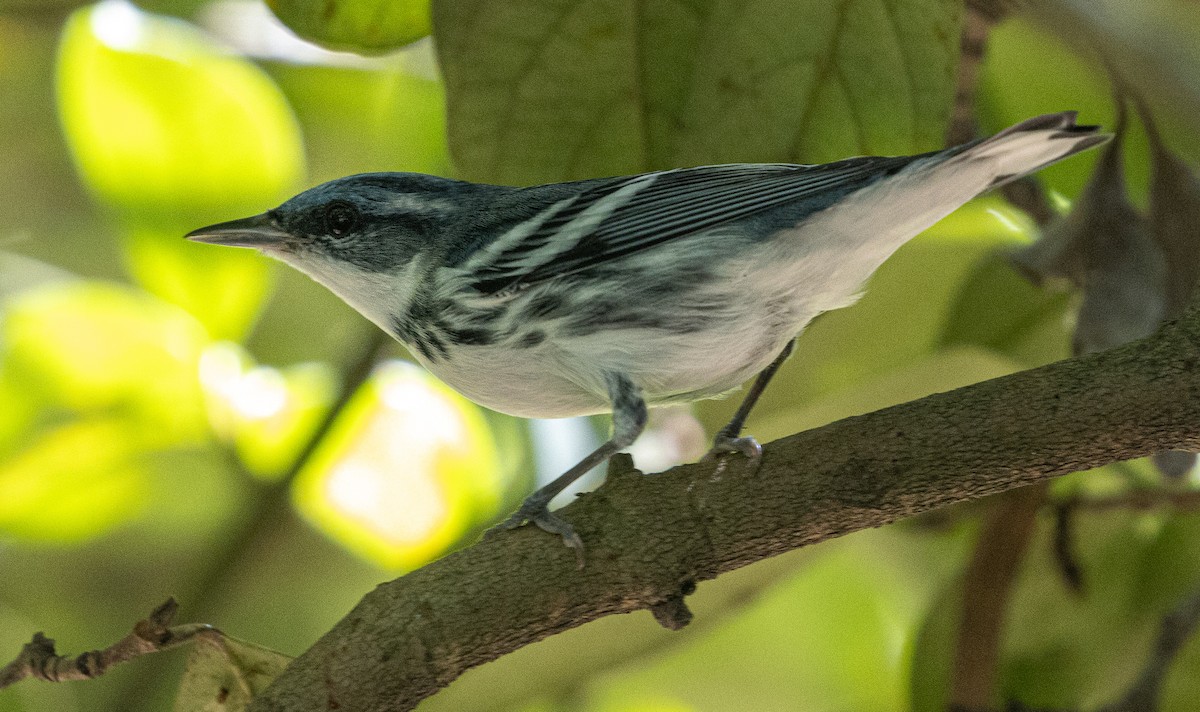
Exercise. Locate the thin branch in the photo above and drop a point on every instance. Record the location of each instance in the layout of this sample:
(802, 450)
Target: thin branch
(648, 537)
(987, 587)
(1177, 627)
(38, 658)
(1063, 545)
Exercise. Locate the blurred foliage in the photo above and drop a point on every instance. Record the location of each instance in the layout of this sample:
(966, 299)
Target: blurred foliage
(407, 469)
(360, 25)
(223, 138)
(158, 399)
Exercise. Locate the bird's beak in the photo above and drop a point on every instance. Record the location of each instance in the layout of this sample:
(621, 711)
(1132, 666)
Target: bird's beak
(258, 231)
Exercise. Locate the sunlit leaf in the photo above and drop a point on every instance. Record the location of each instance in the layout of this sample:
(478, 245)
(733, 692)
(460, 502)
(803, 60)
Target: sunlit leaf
(223, 674)
(269, 414)
(164, 123)
(97, 347)
(366, 26)
(408, 468)
(73, 482)
(172, 131)
(542, 90)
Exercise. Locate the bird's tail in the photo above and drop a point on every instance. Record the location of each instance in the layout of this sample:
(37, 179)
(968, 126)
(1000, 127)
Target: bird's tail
(1030, 145)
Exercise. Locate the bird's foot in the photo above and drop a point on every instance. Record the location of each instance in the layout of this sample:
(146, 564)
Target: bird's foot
(534, 510)
(725, 443)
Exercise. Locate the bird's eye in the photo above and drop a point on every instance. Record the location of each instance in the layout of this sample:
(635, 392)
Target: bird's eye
(340, 218)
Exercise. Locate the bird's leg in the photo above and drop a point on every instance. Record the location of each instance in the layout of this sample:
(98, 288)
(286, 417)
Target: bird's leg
(629, 418)
(728, 438)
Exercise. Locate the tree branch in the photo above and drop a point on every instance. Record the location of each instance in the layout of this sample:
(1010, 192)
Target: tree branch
(650, 538)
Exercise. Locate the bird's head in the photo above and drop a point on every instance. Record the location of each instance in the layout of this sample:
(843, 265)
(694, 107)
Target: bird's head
(360, 236)
(374, 221)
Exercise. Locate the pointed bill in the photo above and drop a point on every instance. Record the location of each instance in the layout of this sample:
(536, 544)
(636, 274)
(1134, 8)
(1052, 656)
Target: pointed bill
(257, 231)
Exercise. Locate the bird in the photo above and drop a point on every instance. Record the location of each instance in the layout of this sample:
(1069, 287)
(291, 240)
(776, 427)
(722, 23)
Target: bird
(613, 295)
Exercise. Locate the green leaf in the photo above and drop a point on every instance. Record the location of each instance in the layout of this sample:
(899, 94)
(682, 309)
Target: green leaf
(73, 483)
(998, 309)
(223, 288)
(172, 131)
(269, 414)
(97, 348)
(168, 126)
(223, 674)
(543, 90)
(408, 468)
(363, 26)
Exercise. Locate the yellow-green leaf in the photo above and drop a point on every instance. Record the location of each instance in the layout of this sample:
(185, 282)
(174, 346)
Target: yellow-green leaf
(267, 413)
(73, 482)
(97, 347)
(167, 125)
(405, 472)
(173, 131)
(364, 26)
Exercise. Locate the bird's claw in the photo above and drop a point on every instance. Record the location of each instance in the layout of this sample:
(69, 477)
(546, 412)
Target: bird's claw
(724, 444)
(535, 511)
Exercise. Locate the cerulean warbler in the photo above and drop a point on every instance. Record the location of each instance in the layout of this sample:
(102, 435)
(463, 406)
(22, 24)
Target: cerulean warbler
(614, 294)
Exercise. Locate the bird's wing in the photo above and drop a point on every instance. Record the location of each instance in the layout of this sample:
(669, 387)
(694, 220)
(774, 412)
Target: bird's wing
(625, 215)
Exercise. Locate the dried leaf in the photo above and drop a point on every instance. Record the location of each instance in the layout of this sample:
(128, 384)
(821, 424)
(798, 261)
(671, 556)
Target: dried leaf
(1104, 247)
(223, 674)
(1174, 217)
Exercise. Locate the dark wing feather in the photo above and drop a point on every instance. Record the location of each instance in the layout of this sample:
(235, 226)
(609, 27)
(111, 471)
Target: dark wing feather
(676, 204)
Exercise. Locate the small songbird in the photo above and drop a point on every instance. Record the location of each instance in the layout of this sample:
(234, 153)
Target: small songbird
(614, 294)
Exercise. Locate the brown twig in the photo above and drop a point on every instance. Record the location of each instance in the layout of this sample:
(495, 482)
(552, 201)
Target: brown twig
(38, 658)
(977, 24)
(268, 504)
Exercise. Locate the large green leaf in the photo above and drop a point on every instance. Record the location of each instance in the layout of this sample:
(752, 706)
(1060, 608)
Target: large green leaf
(542, 90)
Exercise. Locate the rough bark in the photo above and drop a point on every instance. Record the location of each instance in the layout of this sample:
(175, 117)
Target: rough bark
(650, 538)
